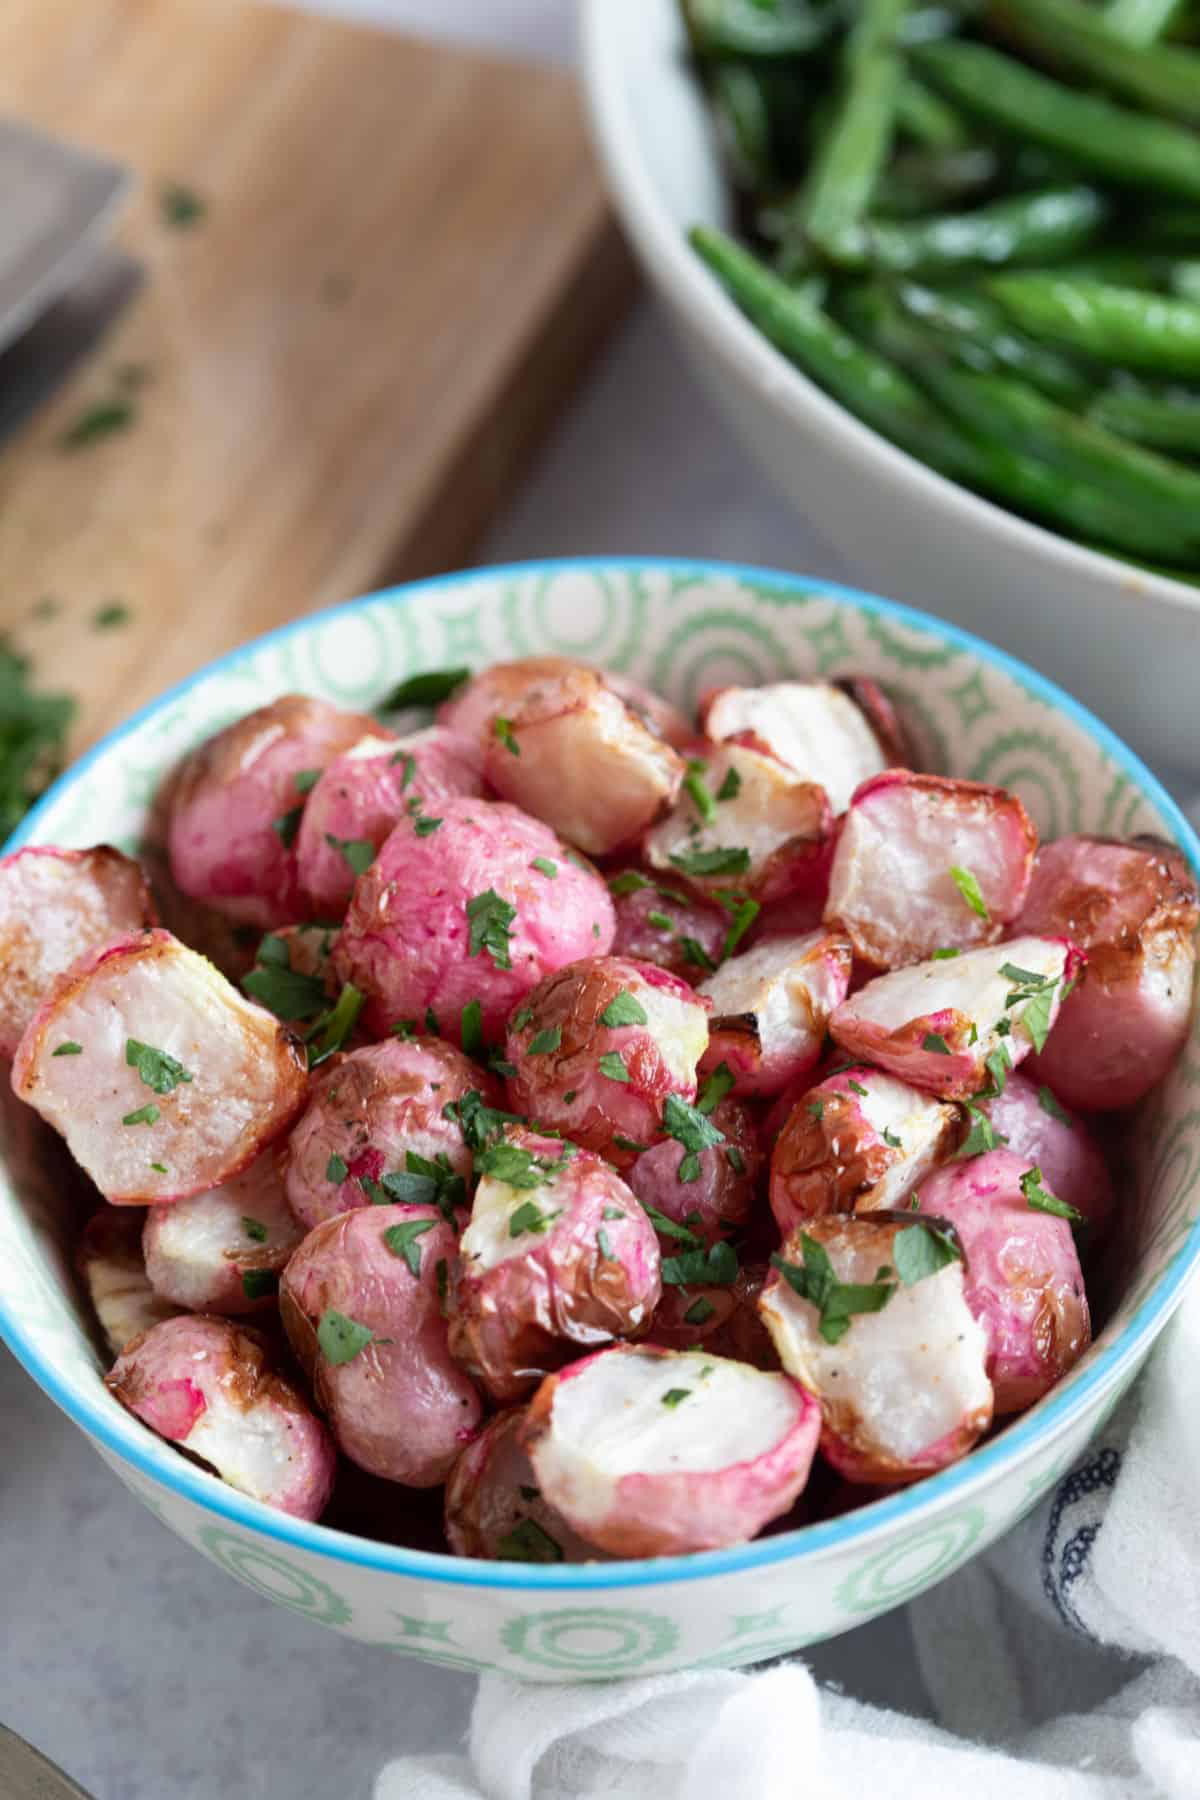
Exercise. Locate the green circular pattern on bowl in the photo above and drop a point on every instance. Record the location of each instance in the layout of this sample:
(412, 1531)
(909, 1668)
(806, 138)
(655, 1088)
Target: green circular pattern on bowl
(681, 627)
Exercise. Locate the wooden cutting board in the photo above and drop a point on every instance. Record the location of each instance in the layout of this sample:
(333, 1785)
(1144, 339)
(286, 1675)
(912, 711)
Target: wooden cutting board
(403, 264)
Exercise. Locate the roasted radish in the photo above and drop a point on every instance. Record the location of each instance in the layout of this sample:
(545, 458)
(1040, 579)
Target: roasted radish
(771, 1007)
(495, 1509)
(812, 727)
(222, 1251)
(110, 1261)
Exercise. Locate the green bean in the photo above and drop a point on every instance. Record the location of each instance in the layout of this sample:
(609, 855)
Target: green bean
(1030, 228)
(1079, 39)
(747, 28)
(1124, 327)
(926, 24)
(923, 181)
(928, 119)
(848, 161)
(1161, 418)
(760, 111)
(1141, 21)
(1164, 492)
(1125, 145)
(1184, 281)
(881, 395)
(1118, 268)
(978, 334)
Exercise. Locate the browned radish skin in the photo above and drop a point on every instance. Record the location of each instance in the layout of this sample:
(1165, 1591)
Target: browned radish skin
(54, 905)
(923, 861)
(369, 1112)
(502, 687)
(234, 807)
(722, 1179)
(551, 1269)
(886, 724)
(109, 1258)
(756, 828)
(650, 1452)
(583, 1071)
(936, 1024)
(793, 917)
(812, 727)
(860, 1140)
(1132, 908)
(771, 1009)
(572, 753)
(1030, 1122)
(1023, 1280)
(208, 1386)
(726, 1320)
(410, 944)
(222, 1251)
(903, 1390)
(660, 922)
(495, 1509)
(364, 793)
(399, 1405)
(146, 1132)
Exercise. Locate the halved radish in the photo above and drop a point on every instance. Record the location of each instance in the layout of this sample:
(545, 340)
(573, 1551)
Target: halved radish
(772, 1006)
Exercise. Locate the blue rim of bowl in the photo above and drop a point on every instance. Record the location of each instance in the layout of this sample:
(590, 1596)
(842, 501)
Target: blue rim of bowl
(1046, 1421)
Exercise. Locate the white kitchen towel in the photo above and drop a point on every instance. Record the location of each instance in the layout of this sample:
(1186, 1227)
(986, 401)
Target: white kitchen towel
(1063, 1665)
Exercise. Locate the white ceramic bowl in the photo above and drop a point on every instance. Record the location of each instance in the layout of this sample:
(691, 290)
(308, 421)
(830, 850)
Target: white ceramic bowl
(1127, 643)
(681, 627)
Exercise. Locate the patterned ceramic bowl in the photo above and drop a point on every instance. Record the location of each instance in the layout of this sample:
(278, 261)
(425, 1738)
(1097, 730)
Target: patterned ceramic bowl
(681, 627)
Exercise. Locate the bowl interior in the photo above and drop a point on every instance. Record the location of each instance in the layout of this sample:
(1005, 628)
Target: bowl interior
(681, 628)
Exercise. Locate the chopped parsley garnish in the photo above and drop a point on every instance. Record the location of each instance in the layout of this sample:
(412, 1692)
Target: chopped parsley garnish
(522, 1017)
(500, 1066)
(408, 767)
(108, 618)
(431, 1022)
(701, 1310)
(341, 1338)
(98, 422)
(570, 1095)
(528, 1542)
(603, 1245)
(629, 881)
(545, 867)
(160, 1072)
(944, 954)
(1037, 1017)
(661, 922)
(145, 1115)
(159, 1168)
(1041, 1200)
(733, 861)
(68, 1048)
(691, 1128)
(258, 1283)
(673, 1396)
(817, 1108)
(997, 1064)
(490, 918)
(520, 1168)
(429, 689)
(716, 1266)
(935, 1042)
(332, 1029)
(280, 988)
(359, 853)
(478, 1123)
(336, 1169)
(1046, 1101)
(254, 1229)
(668, 1227)
(612, 1065)
(695, 955)
(715, 1088)
(504, 731)
(181, 207)
(731, 786)
(287, 825)
(970, 890)
(856, 1087)
(623, 1009)
(543, 1042)
(471, 1027)
(425, 826)
(744, 911)
(836, 1301)
(528, 1217)
(982, 1136)
(305, 780)
(426, 1182)
(700, 797)
(401, 1240)
(628, 1143)
(922, 1250)
(891, 1140)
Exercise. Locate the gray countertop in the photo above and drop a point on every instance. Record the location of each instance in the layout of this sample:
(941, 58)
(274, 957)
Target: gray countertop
(128, 1659)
